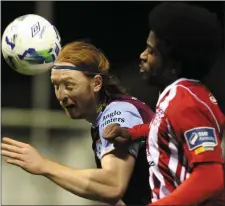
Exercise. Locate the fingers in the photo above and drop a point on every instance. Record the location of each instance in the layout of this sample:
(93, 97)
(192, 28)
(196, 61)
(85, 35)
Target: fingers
(11, 148)
(15, 162)
(13, 142)
(12, 155)
(110, 132)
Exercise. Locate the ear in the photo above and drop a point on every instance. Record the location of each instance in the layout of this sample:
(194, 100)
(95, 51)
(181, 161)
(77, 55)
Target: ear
(97, 83)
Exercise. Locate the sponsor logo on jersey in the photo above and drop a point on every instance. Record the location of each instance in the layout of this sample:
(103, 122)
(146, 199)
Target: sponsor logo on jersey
(112, 117)
(203, 138)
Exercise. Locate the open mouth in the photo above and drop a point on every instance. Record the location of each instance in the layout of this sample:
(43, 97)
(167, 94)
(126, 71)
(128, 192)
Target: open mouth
(72, 106)
(141, 68)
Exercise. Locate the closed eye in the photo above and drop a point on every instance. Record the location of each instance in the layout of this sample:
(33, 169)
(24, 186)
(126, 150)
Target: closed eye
(69, 86)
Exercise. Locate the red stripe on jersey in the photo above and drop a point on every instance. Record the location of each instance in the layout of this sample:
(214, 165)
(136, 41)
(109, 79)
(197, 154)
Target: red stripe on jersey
(167, 146)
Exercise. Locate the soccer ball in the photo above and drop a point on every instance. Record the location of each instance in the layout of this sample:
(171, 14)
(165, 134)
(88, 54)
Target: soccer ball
(30, 44)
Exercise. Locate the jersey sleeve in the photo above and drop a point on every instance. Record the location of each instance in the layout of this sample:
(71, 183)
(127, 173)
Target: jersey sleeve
(139, 131)
(126, 115)
(197, 125)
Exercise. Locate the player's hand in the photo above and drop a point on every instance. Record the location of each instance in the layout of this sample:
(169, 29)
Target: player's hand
(116, 134)
(23, 155)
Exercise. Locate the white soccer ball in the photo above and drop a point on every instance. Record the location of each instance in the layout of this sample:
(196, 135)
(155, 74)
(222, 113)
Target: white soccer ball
(30, 44)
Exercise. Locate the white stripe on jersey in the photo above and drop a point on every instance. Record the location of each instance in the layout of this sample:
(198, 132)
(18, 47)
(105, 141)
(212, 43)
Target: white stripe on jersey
(154, 196)
(178, 171)
(171, 85)
(173, 161)
(183, 169)
(153, 153)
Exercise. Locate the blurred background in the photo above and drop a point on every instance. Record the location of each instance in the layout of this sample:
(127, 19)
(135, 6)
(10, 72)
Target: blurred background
(30, 111)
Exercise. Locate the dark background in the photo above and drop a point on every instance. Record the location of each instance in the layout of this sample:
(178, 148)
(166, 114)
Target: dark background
(120, 29)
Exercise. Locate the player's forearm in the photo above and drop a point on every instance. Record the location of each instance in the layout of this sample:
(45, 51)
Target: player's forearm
(139, 131)
(94, 184)
(205, 182)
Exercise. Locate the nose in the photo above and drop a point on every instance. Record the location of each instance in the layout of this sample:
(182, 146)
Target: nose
(143, 55)
(62, 95)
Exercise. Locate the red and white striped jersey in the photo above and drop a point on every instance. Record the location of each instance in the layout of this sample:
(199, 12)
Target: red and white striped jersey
(186, 129)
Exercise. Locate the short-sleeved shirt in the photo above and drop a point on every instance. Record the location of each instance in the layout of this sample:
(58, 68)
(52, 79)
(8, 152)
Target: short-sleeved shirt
(128, 112)
(187, 129)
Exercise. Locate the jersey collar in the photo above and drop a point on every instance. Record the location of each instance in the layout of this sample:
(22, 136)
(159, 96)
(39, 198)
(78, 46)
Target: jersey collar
(171, 85)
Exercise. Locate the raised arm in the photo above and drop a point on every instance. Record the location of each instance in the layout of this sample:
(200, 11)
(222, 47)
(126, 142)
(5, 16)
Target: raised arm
(106, 185)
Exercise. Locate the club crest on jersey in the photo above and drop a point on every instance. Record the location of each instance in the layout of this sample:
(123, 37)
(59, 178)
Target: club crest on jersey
(204, 137)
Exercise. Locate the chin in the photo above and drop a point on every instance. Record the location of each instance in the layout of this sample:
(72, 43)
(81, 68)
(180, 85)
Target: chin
(146, 78)
(73, 115)
(76, 117)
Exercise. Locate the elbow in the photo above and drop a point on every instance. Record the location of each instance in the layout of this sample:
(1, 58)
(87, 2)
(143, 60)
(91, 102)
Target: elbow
(114, 195)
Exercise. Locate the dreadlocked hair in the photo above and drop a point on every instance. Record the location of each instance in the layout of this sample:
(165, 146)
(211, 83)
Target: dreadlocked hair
(188, 34)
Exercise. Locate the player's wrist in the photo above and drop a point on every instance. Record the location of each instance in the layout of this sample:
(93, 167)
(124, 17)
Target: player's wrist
(131, 134)
(47, 167)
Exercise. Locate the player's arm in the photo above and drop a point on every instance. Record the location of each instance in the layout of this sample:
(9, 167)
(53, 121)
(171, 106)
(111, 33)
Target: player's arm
(197, 128)
(107, 184)
(136, 133)
(205, 181)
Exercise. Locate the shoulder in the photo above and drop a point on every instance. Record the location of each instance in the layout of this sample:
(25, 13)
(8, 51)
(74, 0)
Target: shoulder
(123, 113)
(184, 95)
(118, 111)
(120, 105)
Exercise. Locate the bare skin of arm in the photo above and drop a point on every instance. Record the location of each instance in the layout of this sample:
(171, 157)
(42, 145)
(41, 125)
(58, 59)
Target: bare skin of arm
(107, 184)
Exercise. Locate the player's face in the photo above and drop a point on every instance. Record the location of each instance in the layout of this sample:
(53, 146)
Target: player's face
(74, 92)
(151, 63)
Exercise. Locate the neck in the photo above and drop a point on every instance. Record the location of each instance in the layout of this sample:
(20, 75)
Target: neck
(92, 117)
(167, 83)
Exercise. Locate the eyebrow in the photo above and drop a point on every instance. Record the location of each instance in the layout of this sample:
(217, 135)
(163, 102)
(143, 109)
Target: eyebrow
(67, 78)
